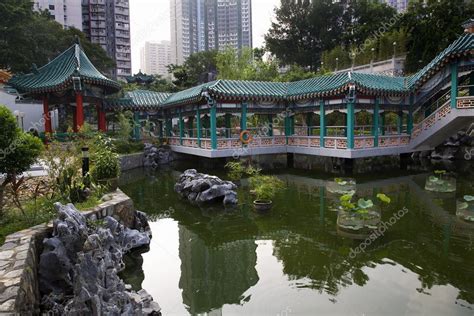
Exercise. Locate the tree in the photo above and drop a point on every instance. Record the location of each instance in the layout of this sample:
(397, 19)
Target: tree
(432, 27)
(197, 69)
(28, 37)
(18, 150)
(304, 29)
(234, 65)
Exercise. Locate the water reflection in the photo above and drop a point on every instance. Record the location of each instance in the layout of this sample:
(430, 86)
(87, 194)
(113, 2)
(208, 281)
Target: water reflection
(422, 264)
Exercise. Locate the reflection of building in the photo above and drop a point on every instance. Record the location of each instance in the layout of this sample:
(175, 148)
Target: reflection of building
(200, 25)
(212, 276)
(155, 57)
(68, 13)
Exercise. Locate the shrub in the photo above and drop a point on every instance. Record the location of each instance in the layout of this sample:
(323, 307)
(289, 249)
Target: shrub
(106, 163)
(18, 150)
(266, 187)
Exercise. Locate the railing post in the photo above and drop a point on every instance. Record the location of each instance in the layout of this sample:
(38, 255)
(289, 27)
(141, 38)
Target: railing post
(410, 115)
(243, 117)
(382, 123)
(375, 124)
(169, 127)
(350, 124)
(213, 113)
(160, 129)
(322, 123)
(454, 84)
(198, 127)
(181, 128)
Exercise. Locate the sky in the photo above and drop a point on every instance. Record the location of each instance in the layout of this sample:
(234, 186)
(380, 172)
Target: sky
(150, 21)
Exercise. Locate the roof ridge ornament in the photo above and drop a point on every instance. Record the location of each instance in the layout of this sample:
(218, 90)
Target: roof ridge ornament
(34, 68)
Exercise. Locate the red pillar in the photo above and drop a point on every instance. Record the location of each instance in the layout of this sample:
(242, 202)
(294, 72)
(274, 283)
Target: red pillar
(46, 116)
(79, 111)
(101, 120)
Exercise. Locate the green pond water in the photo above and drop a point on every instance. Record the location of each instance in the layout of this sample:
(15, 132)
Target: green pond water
(293, 260)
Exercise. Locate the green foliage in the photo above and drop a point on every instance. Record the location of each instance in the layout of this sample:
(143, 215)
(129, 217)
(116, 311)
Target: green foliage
(265, 187)
(125, 125)
(198, 68)
(237, 170)
(468, 198)
(105, 162)
(18, 150)
(28, 37)
(384, 198)
(128, 147)
(234, 65)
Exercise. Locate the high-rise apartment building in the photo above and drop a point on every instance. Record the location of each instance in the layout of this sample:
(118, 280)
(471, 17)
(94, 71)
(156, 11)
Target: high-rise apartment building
(399, 5)
(66, 12)
(107, 23)
(199, 25)
(155, 57)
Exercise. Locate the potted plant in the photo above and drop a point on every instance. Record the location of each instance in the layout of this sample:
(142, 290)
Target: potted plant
(465, 208)
(265, 188)
(237, 171)
(440, 182)
(106, 164)
(361, 217)
(342, 186)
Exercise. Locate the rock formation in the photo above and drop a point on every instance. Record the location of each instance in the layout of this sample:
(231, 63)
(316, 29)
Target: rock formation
(202, 188)
(154, 157)
(79, 265)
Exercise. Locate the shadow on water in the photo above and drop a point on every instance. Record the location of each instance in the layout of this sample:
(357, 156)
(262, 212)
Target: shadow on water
(223, 267)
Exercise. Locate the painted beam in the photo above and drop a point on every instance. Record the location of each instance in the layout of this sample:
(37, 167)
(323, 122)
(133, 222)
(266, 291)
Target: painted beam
(454, 84)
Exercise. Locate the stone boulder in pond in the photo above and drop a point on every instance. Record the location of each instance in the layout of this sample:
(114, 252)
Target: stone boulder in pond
(203, 188)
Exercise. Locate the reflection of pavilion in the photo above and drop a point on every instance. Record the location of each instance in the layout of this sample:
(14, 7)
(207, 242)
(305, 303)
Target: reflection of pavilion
(212, 276)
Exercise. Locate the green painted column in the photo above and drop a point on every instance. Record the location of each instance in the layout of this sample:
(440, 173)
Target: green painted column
(410, 115)
(350, 125)
(136, 125)
(227, 118)
(375, 123)
(270, 125)
(309, 117)
(190, 126)
(198, 127)
(382, 123)
(181, 128)
(292, 125)
(471, 83)
(169, 126)
(160, 129)
(322, 123)
(400, 122)
(287, 127)
(243, 118)
(213, 112)
(454, 84)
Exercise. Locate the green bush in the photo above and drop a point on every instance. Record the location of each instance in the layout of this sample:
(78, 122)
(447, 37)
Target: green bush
(265, 187)
(128, 147)
(18, 150)
(105, 162)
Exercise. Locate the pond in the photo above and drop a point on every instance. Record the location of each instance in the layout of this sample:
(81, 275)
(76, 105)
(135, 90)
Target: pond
(294, 260)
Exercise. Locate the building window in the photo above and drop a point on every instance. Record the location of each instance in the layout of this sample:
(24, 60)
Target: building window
(51, 7)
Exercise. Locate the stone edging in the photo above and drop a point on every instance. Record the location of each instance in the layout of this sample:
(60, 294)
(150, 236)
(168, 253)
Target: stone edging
(131, 161)
(19, 256)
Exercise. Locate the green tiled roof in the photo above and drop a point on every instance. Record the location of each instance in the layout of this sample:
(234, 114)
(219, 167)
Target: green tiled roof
(461, 47)
(57, 74)
(321, 86)
(228, 89)
(139, 100)
(140, 78)
(187, 96)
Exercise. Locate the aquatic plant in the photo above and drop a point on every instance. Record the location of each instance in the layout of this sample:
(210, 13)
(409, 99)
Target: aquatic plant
(440, 182)
(265, 187)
